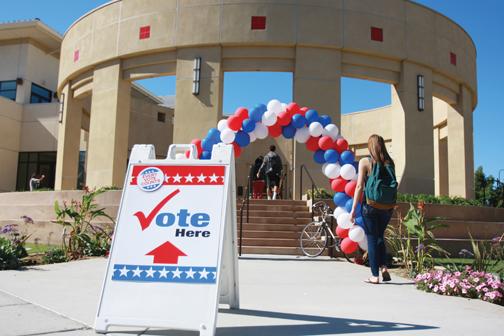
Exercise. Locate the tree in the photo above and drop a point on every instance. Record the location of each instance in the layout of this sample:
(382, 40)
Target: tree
(488, 190)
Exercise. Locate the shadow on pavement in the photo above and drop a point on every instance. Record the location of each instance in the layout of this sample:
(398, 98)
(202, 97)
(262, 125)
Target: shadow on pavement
(318, 325)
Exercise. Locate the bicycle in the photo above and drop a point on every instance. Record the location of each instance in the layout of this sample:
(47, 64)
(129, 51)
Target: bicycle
(316, 235)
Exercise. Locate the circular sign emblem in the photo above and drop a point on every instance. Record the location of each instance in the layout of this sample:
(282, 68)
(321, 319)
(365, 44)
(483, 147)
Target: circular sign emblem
(150, 179)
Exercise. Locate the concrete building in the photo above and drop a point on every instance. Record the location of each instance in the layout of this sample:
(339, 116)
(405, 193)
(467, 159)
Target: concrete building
(30, 109)
(428, 59)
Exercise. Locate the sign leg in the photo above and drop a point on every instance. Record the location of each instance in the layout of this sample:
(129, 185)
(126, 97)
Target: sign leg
(101, 326)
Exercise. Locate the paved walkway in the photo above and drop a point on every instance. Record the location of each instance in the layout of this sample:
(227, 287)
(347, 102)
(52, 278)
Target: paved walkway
(279, 297)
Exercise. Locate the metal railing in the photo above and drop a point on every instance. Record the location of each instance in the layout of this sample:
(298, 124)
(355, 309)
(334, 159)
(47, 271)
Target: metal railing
(314, 188)
(245, 205)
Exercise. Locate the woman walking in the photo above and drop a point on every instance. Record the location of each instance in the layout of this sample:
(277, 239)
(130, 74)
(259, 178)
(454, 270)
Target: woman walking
(377, 180)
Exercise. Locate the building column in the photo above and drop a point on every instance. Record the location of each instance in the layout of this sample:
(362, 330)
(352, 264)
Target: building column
(317, 84)
(67, 159)
(109, 127)
(441, 161)
(196, 114)
(413, 142)
(460, 146)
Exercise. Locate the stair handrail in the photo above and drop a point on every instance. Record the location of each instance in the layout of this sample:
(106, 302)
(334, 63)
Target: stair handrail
(245, 205)
(313, 184)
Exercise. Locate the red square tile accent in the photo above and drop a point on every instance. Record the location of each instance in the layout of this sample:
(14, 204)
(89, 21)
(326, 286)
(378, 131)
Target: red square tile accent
(453, 58)
(76, 55)
(144, 32)
(377, 34)
(258, 23)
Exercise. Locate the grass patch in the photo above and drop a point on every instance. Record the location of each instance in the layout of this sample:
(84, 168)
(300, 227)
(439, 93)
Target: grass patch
(33, 248)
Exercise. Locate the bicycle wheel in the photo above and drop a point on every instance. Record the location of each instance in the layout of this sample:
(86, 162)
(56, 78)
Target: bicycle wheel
(314, 239)
(337, 244)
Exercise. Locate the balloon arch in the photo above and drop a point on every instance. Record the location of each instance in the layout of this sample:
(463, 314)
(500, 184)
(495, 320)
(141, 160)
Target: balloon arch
(319, 135)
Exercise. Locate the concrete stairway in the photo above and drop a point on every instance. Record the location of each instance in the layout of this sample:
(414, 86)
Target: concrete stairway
(273, 227)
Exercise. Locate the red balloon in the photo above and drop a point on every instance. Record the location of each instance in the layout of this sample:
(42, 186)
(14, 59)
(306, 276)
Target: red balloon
(342, 233)
(348, 246)
(275, 130)
(293, 108)
(237, 149)
(242, 113)
(284, 118)
(312, 144)
(187, 153)
(326, 142)
(303, 110)
(338, 185)
(350, 188)
(234, 123)
(197, 142)
(341, 145)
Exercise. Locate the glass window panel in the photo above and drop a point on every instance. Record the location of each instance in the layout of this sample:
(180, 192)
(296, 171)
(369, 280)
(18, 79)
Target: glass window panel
(23, 157)
(8, 94)
(8, 85)
(47, 156)
(33, 157)
(40, 94)
(22, 177)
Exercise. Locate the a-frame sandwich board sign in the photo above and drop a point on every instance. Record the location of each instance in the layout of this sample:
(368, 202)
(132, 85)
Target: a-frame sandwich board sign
(174, 255)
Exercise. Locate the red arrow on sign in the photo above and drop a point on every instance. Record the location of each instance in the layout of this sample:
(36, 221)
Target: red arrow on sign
(166, 253)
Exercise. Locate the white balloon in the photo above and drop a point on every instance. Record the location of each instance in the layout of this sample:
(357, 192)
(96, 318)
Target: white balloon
(261, 131)
(302, 135)
(356, 233)
(227, 136)
(344, 220)
(363, 244)
(332, 170)
(252, 136)
(269, 118)
(180, 156)
(274, 106)
(338, 211)
(316, 129)
(284, 107)
(332, 131)
(355, 177)
(222, 124)
(348, 171)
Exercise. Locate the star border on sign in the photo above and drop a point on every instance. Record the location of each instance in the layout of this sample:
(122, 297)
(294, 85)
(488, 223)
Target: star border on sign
(189, 178)
(176, 178)
(163, 273)
(137, 272)
(124, 271)
(176, 273)
(201, 178)
(213, 178)
(150, 273)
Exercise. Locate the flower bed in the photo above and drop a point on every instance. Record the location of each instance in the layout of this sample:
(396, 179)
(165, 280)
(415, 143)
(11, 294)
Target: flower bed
(467, 283)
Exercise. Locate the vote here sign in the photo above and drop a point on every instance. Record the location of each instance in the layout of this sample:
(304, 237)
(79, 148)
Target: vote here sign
(164, 263)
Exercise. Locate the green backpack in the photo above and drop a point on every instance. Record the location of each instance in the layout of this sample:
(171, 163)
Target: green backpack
(381, 185)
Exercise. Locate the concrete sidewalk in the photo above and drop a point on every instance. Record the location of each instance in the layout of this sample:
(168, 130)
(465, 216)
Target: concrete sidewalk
(279, 296)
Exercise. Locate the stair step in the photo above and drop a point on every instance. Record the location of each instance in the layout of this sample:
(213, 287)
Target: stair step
(266, 207)
(272, 227)
(271, 234)
(277, 202)
(275, 220)
(278, 242)
(283, 214)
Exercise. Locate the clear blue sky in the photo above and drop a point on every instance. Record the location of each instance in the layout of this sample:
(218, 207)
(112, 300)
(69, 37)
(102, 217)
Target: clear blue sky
(484, 21)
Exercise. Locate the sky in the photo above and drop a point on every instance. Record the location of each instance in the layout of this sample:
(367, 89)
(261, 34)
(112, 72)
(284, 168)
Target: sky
(483, 20)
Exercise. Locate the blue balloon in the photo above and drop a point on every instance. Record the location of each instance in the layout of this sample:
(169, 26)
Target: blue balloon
(298, 120)
(359, 221)
(311, 116)
(349, 204)
(289, 131)
(318, 156)
(331, 156)
(340, 199)
(347, 157)
(206, 155)
(207, 144)
(257, 113)
(325, 120)
(248, 125)
(262, 107)
(242, 138)
(356, 165)
(214, 135)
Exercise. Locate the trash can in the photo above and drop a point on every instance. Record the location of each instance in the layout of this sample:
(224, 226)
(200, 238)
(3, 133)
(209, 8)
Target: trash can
(258, 189)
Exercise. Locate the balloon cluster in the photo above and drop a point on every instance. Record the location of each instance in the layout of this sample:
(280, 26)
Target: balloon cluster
(319, 135)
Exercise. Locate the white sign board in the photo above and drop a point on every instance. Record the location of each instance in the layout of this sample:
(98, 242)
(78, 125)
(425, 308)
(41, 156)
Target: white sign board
(174, 252)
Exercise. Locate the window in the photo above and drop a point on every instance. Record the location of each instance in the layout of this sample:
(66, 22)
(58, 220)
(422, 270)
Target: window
(40, 94)
(377, 34)
(43, 163)
(421, 92)
(258, 23)
(144, 32)
(161, 117)
(453, 58)
(8, 89)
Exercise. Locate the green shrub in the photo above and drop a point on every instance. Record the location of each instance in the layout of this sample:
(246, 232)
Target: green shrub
(54, 256)
(318, 194)
(431, 199)
(8, 255)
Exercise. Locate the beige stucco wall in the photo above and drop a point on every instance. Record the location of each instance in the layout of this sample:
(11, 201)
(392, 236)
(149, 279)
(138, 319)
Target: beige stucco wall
(39, 130)
(11, 115)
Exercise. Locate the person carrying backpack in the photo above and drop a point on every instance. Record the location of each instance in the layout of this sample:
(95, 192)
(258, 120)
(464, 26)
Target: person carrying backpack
(377, 179)
(272, 169)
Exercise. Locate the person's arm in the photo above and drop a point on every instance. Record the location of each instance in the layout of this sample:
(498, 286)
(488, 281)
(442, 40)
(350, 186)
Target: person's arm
(262, 166)
(363, 163)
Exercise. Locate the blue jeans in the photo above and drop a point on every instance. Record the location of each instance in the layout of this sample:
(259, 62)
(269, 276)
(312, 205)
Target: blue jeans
(375, 223)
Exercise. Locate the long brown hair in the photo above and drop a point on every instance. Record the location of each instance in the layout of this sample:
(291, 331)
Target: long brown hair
(378, 151)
